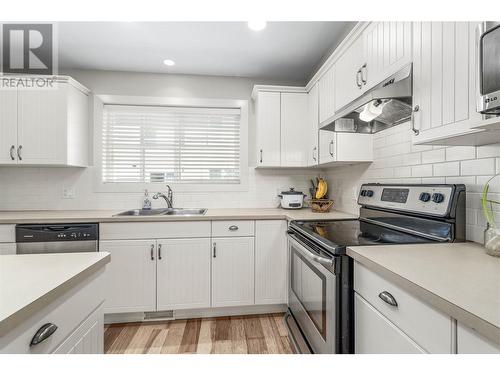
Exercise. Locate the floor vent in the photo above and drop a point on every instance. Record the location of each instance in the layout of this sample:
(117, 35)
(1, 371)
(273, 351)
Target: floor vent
(159, 315)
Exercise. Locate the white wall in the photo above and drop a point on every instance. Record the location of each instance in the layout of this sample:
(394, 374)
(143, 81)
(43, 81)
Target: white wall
(42, 188)
(398, 161)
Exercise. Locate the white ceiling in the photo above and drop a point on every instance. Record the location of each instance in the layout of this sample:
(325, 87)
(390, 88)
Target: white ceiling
(283, 51)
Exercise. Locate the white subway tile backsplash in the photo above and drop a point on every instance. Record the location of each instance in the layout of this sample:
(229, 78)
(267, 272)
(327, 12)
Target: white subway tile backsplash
(447, 169)
(488, 151)
(421, 170)
(477, 167)
(434, 156)
(460, 153)
(407, 163)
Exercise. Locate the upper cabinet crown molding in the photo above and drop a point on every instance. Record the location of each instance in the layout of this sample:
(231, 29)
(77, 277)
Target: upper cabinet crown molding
(274, 88)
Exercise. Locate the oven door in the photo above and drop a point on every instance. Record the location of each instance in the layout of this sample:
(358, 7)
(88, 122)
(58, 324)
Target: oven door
(312, 295)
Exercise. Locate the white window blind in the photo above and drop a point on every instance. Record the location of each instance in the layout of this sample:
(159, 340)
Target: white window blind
(143, 144)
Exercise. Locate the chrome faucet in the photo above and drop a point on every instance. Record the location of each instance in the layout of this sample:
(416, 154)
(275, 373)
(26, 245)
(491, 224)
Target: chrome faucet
(169, 198)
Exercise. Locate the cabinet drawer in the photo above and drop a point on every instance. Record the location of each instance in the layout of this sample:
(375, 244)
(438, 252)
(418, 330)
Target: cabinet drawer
(429, 328)
(233, 228)
(377, 335)
(148, 230)
(67, 312)
(7, 233)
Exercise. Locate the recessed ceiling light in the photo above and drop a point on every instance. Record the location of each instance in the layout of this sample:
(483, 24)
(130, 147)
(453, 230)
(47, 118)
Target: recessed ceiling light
(169, 62)
(257, 25)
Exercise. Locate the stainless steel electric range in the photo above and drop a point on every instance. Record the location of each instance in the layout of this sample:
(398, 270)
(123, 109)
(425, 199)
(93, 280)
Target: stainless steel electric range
(320, 317)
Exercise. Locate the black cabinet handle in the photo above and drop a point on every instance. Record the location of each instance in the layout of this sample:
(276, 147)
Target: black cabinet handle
(232, 228)
(43, 333)
(12, 148)
(388, 298)
(215, 250)
(19, 152)
(159, 251)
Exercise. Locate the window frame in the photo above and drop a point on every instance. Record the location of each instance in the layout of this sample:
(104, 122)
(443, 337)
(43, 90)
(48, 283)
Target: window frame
(101, 100)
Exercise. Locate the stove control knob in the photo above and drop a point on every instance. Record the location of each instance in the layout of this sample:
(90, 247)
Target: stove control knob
(425, 197)
(369, 193)
(437, 197)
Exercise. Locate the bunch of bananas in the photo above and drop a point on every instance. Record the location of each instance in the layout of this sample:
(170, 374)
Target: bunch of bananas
(321, 189)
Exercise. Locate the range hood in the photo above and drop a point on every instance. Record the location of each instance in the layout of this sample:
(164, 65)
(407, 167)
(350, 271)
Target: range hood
(385, 105)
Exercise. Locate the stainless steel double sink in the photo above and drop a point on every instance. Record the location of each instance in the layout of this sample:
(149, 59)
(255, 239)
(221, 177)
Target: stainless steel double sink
(164, 211)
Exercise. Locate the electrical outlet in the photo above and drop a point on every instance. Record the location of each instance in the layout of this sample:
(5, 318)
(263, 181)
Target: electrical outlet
(69, 193)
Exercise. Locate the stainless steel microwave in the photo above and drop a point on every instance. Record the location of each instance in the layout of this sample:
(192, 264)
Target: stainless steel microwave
(488, 44)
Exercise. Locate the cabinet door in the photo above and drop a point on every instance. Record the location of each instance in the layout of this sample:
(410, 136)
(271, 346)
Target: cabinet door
(470, 342)
(42, 124)
(232, 271)
(270, 262)
(130, 278)
(268, 129)
(327, 146)
(374, 334)
(294, 121)
(7, 248)
(8, 126)
(313, 152)
(88, 338)
(327, 95)
(183, 273)
(444, 78)
(387, 49)
(348, 84)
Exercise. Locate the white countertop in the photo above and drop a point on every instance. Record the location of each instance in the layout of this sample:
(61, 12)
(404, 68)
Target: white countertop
(60, 216)
(459, 279)
(29, 282)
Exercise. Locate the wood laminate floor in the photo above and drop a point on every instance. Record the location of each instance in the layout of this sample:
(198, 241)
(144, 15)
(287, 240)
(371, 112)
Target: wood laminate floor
(251, 334)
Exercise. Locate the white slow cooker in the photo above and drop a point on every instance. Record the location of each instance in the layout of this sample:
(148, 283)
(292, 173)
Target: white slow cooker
(291, 199)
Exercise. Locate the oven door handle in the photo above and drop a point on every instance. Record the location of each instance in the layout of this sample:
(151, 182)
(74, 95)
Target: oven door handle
(327, 262)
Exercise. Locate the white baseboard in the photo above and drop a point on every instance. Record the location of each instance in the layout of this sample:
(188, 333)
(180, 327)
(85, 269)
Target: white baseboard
(198, 313)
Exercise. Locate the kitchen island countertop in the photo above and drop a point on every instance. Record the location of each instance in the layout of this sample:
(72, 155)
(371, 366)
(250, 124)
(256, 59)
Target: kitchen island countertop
(459, 279)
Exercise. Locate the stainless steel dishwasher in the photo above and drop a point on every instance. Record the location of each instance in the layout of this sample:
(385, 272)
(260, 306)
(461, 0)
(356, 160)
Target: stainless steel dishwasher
(56, 238)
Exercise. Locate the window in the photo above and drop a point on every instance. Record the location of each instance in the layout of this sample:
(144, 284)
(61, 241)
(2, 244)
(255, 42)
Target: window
(185, 145)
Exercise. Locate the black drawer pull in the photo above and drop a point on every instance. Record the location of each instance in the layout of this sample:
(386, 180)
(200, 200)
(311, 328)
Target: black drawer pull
(43, 333)
(388, 298)
(233, 227)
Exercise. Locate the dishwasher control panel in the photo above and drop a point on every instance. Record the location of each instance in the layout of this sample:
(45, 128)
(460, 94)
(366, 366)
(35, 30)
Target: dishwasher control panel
(56, 232)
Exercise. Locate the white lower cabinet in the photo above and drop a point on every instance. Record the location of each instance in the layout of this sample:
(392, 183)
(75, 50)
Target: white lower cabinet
(183, 273)
(429, 329)
(470, 342)
(233, 271)
(87, 338)
(270, 262)
(225, 263)
(375, 334)
(130, 276)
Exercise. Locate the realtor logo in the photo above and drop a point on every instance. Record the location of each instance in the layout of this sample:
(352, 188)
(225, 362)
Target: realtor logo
(28, 49)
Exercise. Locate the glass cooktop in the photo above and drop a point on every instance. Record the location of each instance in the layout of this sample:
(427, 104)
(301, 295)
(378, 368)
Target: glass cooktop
(357, 233)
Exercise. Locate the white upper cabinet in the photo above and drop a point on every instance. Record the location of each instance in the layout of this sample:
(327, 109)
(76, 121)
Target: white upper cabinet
(348, 83)
(268, 107)
(387, 49)
(345, 147)
(313, 151)
(8, 126)
(326, 95)
(294, 120)
(444, 79)
(45, 126)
